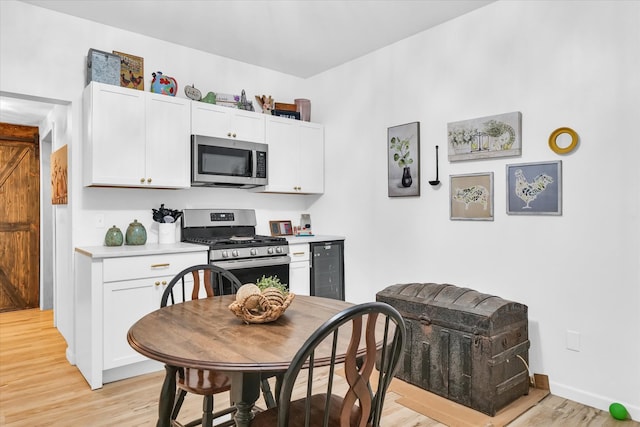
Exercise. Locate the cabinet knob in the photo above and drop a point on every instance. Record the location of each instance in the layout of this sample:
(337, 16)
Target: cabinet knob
(157, 283)
(164, 282)
(234, 135)
(141, 180)
(149, 180)
(229, 134)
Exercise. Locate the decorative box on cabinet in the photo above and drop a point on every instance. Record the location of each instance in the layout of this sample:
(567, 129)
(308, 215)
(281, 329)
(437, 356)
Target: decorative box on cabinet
(112, 293)
(224, 122)
(296, 156)
(134, 138)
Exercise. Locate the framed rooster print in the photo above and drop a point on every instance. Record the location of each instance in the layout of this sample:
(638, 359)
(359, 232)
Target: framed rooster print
(131, 71)
(472, 196)
(534, 188)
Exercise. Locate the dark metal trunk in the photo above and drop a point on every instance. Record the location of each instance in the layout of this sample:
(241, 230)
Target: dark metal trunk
(463, 345)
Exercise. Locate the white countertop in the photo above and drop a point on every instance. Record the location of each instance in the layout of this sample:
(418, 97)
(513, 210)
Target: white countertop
(312, 239)
(139, 250)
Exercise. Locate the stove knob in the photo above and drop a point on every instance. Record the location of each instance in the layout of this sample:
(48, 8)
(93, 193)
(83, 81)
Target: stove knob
(225, 254)
(270, 251)
(254, 251)
(234, 252)
(279, 250)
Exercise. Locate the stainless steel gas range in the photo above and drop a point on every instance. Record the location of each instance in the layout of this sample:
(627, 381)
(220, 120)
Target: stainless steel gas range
(233, 244)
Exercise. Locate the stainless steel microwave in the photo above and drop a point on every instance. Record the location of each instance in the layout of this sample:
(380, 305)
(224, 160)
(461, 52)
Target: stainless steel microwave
(228, 162)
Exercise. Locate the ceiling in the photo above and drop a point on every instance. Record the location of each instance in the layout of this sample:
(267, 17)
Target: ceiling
(297, 37)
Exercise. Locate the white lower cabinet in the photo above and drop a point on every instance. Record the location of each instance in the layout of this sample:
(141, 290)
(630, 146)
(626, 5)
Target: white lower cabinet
(124, 302)
(299, 270)
(112, 294)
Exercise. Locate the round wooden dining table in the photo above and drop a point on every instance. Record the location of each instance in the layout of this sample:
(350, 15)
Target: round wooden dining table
(205, 334)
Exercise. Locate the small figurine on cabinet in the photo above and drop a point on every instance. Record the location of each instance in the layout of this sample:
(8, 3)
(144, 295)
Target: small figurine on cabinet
(244, 104)
(163, 84)
(266, 102)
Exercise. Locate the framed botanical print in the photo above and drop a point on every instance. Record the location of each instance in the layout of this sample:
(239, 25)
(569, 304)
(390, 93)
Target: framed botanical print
(403, 152)
(485, 137)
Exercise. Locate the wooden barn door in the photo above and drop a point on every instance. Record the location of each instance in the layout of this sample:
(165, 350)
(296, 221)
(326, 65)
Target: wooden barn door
(19, 217)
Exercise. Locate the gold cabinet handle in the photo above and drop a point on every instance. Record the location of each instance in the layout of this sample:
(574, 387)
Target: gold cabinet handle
(229, 134)
(297, 253)
(164, 282)
(234, 135)
(149, 180)
(157, 283)
(160, 265)
(141, 180)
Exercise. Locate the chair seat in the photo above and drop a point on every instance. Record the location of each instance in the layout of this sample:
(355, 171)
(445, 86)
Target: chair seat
(203, 382)
(269, 418)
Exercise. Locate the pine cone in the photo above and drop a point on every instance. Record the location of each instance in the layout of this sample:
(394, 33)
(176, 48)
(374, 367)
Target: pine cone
(275, 296)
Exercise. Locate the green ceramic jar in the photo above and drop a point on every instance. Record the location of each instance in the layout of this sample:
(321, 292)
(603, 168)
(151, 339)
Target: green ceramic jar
(113, 237)
(136, 234)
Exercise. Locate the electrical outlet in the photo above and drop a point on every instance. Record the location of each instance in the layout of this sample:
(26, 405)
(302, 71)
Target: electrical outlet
(99, 220)
(573, 340)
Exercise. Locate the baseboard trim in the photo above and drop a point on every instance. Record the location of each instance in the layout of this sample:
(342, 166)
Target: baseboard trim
(132, 370)
(590, 399)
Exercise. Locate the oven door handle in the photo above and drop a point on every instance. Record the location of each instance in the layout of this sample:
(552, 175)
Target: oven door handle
(236, 264)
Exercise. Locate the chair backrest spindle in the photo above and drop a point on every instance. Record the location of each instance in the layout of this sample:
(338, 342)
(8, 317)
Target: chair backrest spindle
(360, 406)
(225, 283)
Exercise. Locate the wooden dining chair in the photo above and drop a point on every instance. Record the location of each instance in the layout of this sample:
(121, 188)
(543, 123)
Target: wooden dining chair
(217, 281)
(361, 404)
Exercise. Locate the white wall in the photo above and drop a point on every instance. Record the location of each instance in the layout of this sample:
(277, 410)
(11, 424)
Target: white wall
(560, 63)
(44, 56)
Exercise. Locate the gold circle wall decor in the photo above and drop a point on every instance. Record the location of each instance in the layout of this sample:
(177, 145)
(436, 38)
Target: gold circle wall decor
(553, 144)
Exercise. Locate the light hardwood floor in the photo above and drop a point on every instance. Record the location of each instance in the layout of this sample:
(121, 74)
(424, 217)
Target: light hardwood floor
(38, 387)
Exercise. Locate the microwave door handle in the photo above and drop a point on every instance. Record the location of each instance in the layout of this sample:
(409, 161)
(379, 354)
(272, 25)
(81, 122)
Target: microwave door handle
(254, 164)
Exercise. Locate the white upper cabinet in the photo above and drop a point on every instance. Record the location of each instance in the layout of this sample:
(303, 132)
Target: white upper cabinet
(296, 156)
(135, 138)
(168, 141)
(224, 122)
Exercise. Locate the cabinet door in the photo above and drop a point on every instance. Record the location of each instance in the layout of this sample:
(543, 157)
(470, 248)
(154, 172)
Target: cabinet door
(296, 156)
(311, 160)
(168, 142)
(124, 304)
(248, 126)
(282, 137)
(209, 120)
(299, 269)
(225, 122)
(115, 133)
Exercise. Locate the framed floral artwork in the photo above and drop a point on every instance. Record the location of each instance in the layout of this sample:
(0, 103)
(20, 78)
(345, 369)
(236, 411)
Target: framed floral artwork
(471, 196)
(403, 155)
(534, 188)
(485, 137)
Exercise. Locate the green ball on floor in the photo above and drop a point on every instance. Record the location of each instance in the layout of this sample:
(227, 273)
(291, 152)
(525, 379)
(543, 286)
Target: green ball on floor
(618, 411)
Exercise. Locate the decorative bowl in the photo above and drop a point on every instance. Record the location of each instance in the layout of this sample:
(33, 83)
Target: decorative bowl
(257, 308)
